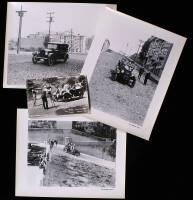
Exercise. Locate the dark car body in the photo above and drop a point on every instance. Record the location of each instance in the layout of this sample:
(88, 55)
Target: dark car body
(52, 53)
(123, 74)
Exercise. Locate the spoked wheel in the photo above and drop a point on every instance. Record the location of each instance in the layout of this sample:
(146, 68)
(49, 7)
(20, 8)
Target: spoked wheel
(51, 61)
(34, 59)
(131, 82)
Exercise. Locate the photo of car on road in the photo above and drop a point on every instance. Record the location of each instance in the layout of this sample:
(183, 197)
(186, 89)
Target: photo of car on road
(57, 96)
(47, 39)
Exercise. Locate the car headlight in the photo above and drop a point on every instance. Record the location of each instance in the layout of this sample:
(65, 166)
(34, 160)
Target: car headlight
(46, 53)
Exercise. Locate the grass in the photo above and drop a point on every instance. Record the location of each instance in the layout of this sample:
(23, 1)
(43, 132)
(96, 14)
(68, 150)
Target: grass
(71, 172)
(130, 104)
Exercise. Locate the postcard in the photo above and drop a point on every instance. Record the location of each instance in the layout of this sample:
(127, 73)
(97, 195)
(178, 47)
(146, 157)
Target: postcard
(129, 68)
(69, 157)
(57, 96)
(45, 39)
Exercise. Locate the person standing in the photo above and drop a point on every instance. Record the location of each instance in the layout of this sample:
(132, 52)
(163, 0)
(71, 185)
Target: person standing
(141, 71)
(44, 100)
(147, 76)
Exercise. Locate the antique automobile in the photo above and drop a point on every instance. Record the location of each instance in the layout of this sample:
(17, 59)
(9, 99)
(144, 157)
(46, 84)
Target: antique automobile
(69, 147)
(123, 73)
(51, 54)
(68, 94)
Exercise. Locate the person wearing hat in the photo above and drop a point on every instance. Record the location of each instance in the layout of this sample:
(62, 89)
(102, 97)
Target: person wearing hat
(44, 99)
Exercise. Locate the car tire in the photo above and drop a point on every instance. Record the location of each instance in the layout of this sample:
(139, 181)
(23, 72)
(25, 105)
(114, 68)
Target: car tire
(34, 59)
(113, 76)
(131, 85)
(51, 61)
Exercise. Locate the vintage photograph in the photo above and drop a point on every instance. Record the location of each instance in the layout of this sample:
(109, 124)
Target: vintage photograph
(70, 157)
(71, 154)
(126, 78)
(47, 39)
(129, 68)
(57, 96)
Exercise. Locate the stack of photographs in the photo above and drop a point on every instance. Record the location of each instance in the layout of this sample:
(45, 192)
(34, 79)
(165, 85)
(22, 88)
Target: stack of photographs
(91, 74)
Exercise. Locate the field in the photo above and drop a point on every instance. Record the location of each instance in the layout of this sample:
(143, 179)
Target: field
(69, 171)
(130, 104)
(20, 68)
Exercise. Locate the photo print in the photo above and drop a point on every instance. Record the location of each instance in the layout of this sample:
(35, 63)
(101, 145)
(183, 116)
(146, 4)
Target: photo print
(129, 68)
(57, 96)
(47, 39)
(69, 157)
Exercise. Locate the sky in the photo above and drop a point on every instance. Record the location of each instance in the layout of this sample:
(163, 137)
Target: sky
(80, 17)
(125, 32)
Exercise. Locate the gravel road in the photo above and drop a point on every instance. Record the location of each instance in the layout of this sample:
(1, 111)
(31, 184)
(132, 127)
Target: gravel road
(20, 68)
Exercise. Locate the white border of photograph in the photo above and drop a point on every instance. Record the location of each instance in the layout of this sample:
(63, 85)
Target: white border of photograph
(105, 23)
(9, 29)
(21, 184)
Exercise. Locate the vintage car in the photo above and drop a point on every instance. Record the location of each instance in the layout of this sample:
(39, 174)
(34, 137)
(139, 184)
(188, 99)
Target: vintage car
(51, 54)
(75, 92)
(123, 73)
(69, 147)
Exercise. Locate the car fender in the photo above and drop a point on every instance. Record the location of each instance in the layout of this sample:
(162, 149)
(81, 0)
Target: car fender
(50, 54)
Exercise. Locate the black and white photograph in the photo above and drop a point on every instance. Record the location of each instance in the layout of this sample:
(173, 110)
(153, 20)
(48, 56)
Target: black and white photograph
(130, 71)
(47, 39)
(71, 153)
(57, 96)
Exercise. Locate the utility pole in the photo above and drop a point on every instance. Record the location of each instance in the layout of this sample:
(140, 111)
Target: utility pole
(50, 21)
(71, 32)
(140, 45)
(20, 14)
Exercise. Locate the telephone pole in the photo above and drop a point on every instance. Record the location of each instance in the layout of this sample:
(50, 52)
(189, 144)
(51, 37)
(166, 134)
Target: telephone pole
(50, 21)
(140, 45)
(20, 14)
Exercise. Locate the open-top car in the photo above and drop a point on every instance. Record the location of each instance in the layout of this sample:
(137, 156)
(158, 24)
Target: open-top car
(52, 53)
(123, 73)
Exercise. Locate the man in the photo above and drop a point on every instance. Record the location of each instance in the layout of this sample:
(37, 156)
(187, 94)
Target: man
(44, 100)
(141, 71)
(147, 76)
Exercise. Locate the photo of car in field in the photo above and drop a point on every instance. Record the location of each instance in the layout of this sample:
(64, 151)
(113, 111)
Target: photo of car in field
(57, 96)
(129, 68)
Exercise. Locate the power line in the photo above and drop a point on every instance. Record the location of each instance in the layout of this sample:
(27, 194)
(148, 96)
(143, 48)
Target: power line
(20, 14)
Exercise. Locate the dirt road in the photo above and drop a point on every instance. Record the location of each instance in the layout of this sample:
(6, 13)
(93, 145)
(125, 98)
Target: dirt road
(20, 68)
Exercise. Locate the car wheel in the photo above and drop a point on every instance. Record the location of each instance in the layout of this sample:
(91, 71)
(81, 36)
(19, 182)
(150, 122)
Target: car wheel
(51, 61)
(131, 82)
(34, 59)
(113, 76)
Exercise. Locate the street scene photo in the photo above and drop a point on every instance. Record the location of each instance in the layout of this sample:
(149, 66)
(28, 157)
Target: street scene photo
(47, 39)
(57, 96)
(71, 154)
(126, 76)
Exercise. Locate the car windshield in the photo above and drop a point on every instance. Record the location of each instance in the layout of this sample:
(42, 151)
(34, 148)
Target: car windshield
(52, 46)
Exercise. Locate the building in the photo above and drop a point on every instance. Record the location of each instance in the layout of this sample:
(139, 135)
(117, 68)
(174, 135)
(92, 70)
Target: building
(157, 54)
